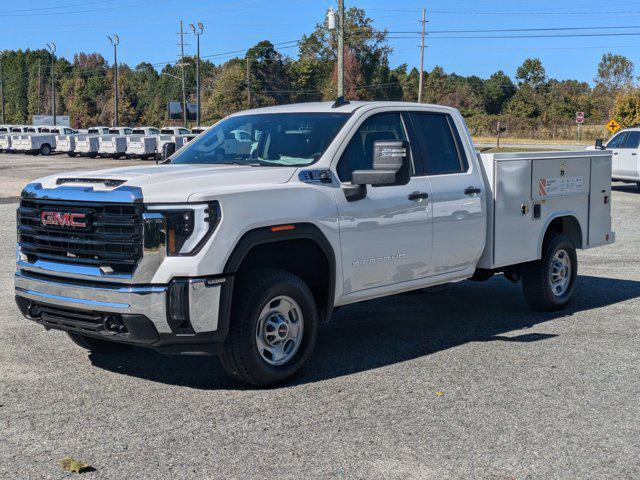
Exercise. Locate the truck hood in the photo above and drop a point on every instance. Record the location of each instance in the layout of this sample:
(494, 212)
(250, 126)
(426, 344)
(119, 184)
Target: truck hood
(176, 183)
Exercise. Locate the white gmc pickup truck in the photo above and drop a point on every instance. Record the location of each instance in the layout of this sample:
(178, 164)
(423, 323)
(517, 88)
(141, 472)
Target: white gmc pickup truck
(243, 255)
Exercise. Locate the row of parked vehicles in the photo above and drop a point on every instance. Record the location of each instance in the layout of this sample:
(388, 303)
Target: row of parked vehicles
(119, 142)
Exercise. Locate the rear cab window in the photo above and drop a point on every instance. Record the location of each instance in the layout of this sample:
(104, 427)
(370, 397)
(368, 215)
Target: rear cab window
(439, 143)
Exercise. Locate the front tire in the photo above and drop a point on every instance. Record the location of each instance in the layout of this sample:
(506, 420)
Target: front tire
(548, 284)
(97, 345)
(273, 329)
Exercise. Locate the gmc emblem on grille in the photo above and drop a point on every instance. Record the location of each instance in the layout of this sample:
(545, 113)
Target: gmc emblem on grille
(63, 219)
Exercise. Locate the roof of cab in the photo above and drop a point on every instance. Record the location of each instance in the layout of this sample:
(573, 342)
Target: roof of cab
(319, 107)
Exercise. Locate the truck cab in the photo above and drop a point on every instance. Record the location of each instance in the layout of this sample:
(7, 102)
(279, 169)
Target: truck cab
(625, 147)
(244, 254)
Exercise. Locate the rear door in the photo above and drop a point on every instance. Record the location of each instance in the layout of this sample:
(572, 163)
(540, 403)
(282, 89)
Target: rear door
(457, 193)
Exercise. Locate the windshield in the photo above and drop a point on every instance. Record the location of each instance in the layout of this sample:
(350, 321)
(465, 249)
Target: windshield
(288, 139)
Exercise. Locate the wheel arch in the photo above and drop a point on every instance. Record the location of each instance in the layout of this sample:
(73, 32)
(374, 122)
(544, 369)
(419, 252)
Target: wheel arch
(314, 261)
(563, 222)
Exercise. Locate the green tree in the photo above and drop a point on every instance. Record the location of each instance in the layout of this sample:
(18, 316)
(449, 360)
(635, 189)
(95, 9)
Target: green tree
(532, 73)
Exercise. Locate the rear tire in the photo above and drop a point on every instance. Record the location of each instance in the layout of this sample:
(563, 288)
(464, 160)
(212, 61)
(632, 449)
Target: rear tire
(96, 345)
(273, 329)
(45, 149)
(71, 154)
(548, 284)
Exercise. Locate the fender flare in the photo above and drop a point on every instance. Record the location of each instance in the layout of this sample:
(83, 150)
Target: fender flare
(301, 231)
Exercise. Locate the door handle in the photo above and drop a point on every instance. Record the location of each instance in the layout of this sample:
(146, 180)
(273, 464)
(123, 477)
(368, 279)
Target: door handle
(634, 154)
(415, 196)
(472, 191)
(615, 153)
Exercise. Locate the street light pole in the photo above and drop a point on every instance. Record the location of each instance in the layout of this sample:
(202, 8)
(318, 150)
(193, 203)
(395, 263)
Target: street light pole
(197, 33)
(115, 41)
(52, 49)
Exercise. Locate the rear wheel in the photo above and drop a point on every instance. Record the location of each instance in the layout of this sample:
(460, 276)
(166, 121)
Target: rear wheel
(548, 284)
(96, 345)
(45, 149)
(71, 154)
(273, 330)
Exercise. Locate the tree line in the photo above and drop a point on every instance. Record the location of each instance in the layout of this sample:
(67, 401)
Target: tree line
(530, 102)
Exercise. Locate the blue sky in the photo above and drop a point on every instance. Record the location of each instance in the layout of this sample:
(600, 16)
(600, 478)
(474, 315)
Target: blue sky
(148, 29)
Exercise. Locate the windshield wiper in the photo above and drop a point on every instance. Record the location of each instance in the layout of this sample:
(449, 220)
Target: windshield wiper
(239, 162)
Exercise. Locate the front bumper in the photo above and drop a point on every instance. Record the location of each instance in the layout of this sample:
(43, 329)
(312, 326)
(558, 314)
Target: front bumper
(144, 312)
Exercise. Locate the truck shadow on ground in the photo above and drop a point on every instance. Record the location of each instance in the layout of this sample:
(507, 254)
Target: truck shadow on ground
(395, 329)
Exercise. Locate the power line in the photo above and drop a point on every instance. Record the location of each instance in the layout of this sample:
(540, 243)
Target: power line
(56, 7)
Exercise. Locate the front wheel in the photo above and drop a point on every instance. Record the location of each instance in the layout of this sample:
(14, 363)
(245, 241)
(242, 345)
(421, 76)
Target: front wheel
(548, 284)
(273, 328)
(97, 345)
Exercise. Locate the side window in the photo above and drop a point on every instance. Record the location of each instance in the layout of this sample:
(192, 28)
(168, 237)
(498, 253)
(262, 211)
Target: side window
(632, 140)
(617, 141)
(359, 153)
(440, 144)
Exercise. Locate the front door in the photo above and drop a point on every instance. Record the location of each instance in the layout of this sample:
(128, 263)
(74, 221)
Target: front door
(457, 193)
(615, 145)
(386, 236)
(628, 155)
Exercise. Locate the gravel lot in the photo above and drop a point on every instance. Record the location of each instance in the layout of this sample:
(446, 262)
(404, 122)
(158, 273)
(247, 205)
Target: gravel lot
(526, 395)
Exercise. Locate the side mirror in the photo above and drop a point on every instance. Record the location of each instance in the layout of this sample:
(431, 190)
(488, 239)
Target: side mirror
(168, 149)
(599, 144)
(391, 165)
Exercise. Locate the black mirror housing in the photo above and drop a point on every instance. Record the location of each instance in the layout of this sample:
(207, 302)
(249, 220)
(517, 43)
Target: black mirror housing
(391, 165)
(168, 149)
(599, 144)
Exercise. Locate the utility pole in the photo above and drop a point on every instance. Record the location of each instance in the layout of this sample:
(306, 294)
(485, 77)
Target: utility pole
(115, 41)
(2, 88)
(424, 21)
(39, 83)
(52, 49)
(340, 48)
(184, 90)
(197, 33)
(248, 85)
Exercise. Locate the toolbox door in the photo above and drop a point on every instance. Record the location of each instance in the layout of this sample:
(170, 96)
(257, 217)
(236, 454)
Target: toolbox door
(600, 201)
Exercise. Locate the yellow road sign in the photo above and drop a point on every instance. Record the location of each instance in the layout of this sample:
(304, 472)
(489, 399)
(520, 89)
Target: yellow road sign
(613, 126)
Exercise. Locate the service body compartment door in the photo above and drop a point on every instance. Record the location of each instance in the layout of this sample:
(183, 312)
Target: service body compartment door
(600, 202)
(513, 236)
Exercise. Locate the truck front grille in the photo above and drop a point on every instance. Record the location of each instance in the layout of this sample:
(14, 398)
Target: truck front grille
(112, 238)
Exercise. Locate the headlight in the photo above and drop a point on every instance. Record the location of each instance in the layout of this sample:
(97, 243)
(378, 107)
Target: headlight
(188, 226)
